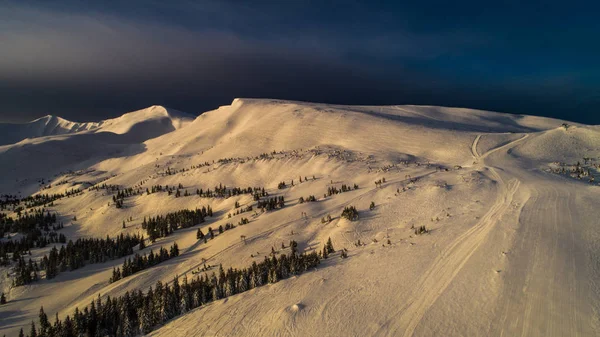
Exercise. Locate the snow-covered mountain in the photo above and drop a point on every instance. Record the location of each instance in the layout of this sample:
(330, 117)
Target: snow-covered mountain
(57, 145)
(45, 126)
(509, 204)
(53, 125)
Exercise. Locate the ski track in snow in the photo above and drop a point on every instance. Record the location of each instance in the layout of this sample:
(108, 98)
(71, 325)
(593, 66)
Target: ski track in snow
(449, 263)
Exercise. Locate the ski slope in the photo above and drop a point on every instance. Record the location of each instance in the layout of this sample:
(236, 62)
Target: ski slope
(512, 250)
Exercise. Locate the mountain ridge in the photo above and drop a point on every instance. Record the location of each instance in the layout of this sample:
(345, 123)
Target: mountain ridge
(507, 203)
(52, 125)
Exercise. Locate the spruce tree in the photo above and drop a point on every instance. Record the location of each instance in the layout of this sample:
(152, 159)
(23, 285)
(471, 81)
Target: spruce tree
(32, 332)
(68, 328)
(144, 314)
(44, 323)
(127, 328)
(57, 328)
(330, 246)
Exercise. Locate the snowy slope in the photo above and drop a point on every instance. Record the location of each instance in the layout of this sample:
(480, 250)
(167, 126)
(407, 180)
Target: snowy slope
(512, 251)
(66, 146)
(53, 125)
(45, 126)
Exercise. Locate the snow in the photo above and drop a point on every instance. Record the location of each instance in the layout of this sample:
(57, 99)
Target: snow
(45, 126)
(64, 146)
(512, 250)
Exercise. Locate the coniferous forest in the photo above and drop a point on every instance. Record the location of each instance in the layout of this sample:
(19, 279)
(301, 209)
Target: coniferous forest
(37, 228)
(141, 262)
(163, 225)
(137, 312)
(75, 255)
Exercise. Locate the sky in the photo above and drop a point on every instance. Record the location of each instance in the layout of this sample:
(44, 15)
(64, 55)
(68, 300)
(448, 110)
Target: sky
(91, 60)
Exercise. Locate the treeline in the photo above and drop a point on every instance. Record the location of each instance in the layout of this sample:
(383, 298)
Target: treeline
(25, 273)
(138, 263)
(24, 223)
(350, 213)
(37, 229)
(163, 225)
(36, 200)
(260, 193)
(75, 255)
(47, 199)
(283, 185)
(345, 188)
(310, 198)
(139, 313)
(271, 203)
(220, 191)
(210, 233)
(22, 246)
(108, 187)
(9, 200)
(98, 182)
(239, 210)
(119, 198)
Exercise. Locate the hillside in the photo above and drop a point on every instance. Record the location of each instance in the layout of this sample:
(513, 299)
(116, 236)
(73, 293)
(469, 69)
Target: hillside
(45, 126)
(64, 146)
(510, 244)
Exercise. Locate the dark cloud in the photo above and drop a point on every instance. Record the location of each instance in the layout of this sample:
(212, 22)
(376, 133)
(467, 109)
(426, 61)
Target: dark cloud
(88, 61)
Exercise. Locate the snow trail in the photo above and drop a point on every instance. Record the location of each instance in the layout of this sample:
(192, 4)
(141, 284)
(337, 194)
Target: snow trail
(451, 260)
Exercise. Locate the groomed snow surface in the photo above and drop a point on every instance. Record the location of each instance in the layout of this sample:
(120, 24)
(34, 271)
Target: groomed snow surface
(512, 250)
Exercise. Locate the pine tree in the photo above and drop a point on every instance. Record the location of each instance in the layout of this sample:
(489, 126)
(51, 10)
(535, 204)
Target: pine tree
(78, 323)
(44, 323)
(174, 250)
(32, 332)
(330, 246)
(273, 278)
(127, 328)
(92, 320)
(242, 283)
(57, 328)
(184, 302)
(215, 293)
(145, 318)
(68, 328)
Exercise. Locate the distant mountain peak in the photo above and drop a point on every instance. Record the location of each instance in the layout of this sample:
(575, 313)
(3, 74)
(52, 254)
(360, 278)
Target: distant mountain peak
(52, 125)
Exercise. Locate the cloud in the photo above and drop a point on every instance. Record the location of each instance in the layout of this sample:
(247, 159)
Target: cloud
(90, 61)
(47, 44)
(86, 62)
(52, 45)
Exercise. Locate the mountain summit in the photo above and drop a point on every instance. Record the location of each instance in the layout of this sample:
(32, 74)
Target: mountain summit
(51, 125)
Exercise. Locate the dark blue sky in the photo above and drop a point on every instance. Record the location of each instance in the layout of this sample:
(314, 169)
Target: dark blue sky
(88, 61)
